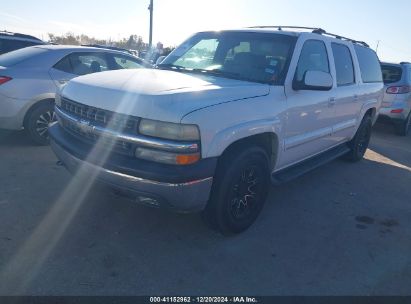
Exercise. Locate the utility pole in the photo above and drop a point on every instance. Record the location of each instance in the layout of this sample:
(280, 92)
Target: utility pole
(150, 40)
(378, 44)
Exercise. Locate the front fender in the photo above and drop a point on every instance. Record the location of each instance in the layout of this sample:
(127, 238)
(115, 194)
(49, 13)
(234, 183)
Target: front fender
(228, 136)
(223, 124)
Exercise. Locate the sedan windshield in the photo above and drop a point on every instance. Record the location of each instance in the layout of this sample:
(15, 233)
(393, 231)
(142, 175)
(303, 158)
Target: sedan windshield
(256, 57)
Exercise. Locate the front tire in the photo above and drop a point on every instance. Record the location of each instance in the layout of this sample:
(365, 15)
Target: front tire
(359, 144)
(38, 121)
(239, 191)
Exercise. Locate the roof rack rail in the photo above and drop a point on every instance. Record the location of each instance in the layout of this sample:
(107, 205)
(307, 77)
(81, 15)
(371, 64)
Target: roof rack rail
(315, 30)
(405, 62)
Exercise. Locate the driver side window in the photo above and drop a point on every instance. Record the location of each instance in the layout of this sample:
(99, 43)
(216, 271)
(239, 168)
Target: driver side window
(313, 57)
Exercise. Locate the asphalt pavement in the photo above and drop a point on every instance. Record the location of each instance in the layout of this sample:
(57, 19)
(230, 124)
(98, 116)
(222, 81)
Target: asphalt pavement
(343, 229)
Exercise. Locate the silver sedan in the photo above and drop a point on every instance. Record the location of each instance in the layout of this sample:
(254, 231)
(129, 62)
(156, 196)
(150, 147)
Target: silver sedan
(30, 78)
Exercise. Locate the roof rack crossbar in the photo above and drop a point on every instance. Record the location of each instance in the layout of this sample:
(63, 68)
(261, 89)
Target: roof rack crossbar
(315, 30)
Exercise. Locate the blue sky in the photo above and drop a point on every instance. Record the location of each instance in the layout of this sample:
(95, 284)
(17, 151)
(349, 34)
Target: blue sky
(367, 20)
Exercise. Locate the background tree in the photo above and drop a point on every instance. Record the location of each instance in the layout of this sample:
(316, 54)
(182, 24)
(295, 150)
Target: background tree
(134, 42)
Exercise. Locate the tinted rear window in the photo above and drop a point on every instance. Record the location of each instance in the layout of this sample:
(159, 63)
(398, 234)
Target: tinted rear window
(15, 57)
(369, 64)
(391, 73)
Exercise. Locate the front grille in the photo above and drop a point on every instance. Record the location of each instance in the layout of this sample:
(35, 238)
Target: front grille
(99, 117)
(117, 146)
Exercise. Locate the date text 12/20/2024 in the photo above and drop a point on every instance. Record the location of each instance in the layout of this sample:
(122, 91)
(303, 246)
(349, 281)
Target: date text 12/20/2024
(203, 300)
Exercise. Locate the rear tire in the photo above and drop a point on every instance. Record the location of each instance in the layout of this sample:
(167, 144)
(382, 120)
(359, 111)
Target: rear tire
(403, 128)
(359, 144)
(239, 191)
(37, 123)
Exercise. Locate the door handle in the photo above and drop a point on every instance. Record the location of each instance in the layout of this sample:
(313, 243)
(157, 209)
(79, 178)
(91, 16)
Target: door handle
(356, 97)
(63, 81)
(331, 101)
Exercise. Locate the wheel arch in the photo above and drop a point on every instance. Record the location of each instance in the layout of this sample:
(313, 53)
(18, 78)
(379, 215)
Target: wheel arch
(372, 112)
(268, 141)
(369, 108)
(35, 104)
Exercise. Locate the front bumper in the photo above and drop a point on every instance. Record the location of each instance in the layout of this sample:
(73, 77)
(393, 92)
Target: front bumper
(179, 195)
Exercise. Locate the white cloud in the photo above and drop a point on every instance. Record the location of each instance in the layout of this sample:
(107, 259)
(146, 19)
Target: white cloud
(12, 17)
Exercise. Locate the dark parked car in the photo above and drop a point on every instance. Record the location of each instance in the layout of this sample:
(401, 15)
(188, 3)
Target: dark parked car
(13, 41)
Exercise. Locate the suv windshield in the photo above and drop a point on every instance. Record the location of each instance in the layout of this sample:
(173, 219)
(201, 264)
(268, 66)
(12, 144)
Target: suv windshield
(391, 73)
(256, 57)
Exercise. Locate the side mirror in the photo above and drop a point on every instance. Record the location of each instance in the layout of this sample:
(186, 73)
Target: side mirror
(160, 59)
(314, 81)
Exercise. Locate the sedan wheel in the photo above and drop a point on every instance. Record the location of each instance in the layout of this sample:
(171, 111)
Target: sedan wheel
(38, 121)
(43, 123)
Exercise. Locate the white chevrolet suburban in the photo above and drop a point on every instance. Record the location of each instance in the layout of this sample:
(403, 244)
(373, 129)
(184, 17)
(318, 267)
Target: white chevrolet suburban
(223, 116)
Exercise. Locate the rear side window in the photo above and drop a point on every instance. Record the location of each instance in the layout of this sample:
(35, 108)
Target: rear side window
(82, 63)
(15, 57)
(313, 57)
(369, 64)
(391, 73)
(343, 64)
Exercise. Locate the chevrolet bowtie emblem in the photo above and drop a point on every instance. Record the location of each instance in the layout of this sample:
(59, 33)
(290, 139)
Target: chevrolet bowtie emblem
(85, 126)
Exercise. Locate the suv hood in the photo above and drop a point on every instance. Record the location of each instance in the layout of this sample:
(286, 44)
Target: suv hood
(158, 94)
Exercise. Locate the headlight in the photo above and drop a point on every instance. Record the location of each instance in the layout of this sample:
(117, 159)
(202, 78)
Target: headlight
(168, 130)
(57, 100)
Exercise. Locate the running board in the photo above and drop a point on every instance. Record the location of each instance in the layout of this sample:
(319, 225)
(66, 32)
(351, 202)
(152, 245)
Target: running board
(297, 170)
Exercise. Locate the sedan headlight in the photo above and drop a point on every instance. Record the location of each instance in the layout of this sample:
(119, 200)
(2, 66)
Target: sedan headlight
(167, 130)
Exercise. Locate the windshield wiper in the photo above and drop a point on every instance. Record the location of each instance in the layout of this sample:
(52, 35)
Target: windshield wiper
(226, 74)
(215, 72)
(170, 66)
